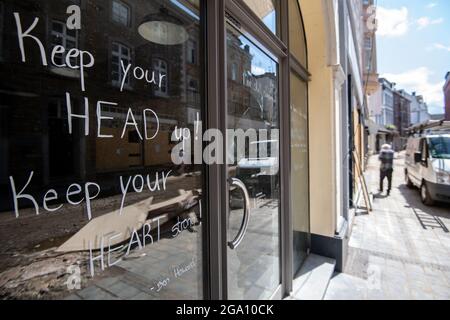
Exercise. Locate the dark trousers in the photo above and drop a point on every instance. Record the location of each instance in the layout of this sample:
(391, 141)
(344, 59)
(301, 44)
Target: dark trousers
(386, 174)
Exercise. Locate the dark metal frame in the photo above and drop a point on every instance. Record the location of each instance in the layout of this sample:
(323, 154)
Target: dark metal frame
(216, 106)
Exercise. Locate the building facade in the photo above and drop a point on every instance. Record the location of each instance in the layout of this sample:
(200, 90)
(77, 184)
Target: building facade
(402, 118)
(386, 116)
(447, 96)
(419, 108)
(391, 111)
(177, 149)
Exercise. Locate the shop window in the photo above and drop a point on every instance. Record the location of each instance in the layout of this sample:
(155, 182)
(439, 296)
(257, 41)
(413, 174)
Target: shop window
(1, 30)
(74, 152)
(267, 11)
(121, 13)
(299, 137)
(63, 36)
(297, 40)
(160, 67)
(300, 167)
(120, 53)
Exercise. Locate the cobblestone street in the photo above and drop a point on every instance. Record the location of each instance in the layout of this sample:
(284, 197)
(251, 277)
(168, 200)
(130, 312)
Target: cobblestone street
(401, 250)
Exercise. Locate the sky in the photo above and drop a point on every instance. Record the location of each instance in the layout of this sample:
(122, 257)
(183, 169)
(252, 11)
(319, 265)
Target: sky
(413, 42)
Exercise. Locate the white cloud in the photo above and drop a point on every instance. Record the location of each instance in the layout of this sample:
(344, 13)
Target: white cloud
(258, 70)
(431, 5)
(392, 22)
(440, 46)
(418, 80)
(424, 22)
(436, 110)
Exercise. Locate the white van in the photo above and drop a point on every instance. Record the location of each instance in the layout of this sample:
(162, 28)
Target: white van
(427, 166)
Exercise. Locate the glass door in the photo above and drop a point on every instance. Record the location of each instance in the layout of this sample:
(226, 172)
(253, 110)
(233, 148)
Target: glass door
(253, 216)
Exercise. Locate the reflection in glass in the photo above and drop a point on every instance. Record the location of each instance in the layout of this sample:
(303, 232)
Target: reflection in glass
(117, 219)
(253, 108)
(299, 169)
(267, 11)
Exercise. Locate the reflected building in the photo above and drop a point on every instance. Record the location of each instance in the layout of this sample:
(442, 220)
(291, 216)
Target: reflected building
(49, 149)
(40, 144)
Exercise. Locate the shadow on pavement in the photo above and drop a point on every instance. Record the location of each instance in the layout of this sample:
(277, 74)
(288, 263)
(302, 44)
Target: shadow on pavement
(428, 216)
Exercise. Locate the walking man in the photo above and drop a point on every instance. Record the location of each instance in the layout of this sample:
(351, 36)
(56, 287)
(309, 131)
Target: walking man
(386, 167)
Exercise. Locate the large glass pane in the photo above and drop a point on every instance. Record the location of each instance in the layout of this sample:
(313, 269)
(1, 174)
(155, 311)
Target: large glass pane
(98, 196)
(297, 41)
(267, 11)
(299, 169)
(253, 158)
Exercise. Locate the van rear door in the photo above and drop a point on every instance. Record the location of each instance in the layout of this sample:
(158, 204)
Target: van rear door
(413, 167)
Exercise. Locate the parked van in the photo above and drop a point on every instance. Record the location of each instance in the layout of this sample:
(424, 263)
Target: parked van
(427, 166)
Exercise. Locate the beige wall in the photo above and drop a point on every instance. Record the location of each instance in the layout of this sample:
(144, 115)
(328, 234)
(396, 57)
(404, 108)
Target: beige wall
(322, 121)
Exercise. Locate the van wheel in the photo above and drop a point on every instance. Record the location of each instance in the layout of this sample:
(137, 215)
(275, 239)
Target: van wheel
(408, 181)
(425, 195)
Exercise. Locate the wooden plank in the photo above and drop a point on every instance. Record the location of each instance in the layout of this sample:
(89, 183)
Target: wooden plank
(362, 181)
(110, 224)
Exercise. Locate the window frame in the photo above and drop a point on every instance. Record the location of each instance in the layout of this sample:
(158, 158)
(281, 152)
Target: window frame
(158, 90)
(129, 16)
(64, 38)
(117, 83)
(217, 13)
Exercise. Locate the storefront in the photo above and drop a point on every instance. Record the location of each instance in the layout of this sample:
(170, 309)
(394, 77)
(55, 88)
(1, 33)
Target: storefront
(153, 149)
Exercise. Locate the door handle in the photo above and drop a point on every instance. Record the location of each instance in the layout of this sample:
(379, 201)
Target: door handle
(244, 225)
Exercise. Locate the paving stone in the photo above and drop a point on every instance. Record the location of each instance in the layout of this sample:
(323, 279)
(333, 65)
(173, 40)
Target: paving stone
(96, 293)
(414, 262)
(123, 290)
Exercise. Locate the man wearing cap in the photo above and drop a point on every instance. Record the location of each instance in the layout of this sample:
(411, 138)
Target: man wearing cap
(386, 167)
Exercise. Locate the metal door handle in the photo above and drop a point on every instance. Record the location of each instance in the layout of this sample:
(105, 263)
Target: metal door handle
(243, 229)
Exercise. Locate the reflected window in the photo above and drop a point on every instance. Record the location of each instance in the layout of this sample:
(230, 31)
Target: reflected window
(63, 36)
(267, 11)
(120, 54)
(234, 71)
(121, 13)
(160, 67)
(193, 94)
(192, 52)
(193, 85)
(368, 43)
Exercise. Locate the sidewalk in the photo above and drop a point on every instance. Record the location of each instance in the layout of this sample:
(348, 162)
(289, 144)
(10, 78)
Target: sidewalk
(401, 250)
